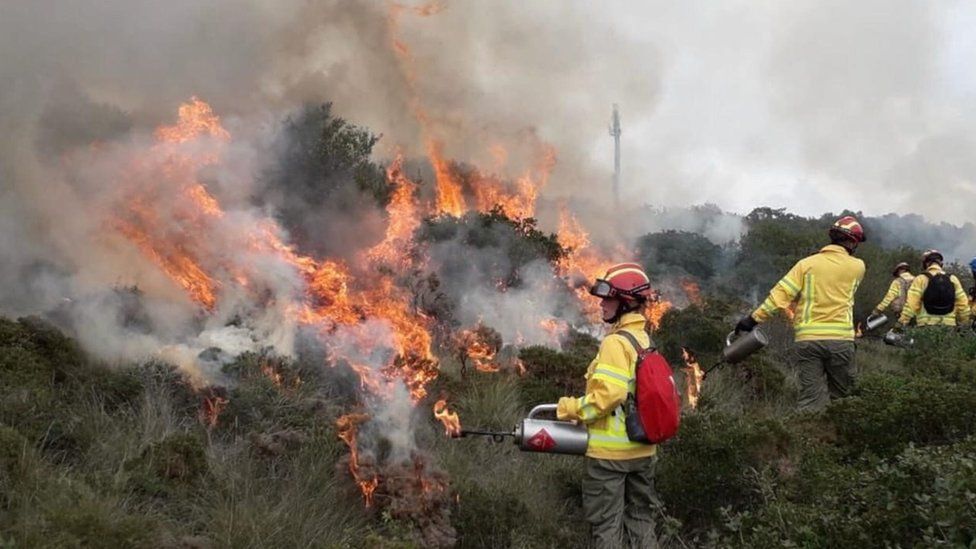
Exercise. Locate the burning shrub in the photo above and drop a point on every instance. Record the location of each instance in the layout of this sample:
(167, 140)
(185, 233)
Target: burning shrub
(321, 177)
(167, 466)
(515, 242)
(479, 346)
(887, 412)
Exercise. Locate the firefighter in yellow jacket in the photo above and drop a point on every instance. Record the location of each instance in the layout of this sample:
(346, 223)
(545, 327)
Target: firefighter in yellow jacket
(972, 294)
(935, 298)
(897, 292)
(618, 488)
(822, 287)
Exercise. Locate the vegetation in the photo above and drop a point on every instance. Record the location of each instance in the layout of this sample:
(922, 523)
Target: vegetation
(133, 456)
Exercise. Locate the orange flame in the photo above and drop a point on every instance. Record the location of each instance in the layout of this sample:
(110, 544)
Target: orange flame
(556, 328)
(451, 421)
(478, 349)
(196, 118)
(450, 201)
(693, 377)
(348, 427)
(404, 218)
(655, 312)
(213, 404)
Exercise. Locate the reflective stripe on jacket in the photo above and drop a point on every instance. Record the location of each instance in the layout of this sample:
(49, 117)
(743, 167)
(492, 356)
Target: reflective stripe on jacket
(897, 293)
(609, 378)
(823, 285)
(915, 309)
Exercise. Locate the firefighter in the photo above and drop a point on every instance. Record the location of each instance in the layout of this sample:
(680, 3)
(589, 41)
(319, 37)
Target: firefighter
(618, 487)
(897, 291)
(822, 287)
(972, 294)
(935, 298)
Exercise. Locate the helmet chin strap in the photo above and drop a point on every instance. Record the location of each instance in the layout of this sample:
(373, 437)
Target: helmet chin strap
(622, 309)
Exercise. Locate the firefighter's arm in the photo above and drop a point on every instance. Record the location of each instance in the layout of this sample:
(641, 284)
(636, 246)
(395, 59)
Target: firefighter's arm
(962, 303)
(783, 293)
(893, 292)
(913, 301)
(605, 389)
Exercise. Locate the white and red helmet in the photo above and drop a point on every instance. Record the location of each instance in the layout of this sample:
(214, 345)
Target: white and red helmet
(850, 227)
(627, 281)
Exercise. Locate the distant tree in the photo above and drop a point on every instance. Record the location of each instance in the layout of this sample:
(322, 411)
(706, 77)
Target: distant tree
(320, 175)
(505, 245)
(685, 252)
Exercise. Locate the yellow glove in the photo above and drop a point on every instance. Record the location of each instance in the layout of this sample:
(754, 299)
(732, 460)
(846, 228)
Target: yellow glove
(567, 409)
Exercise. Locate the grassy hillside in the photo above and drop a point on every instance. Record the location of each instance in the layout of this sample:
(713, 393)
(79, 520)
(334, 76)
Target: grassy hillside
(93, 456)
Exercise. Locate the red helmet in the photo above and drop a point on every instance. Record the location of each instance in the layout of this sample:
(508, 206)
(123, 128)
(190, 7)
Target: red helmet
(932, 256)
(850, 227)
(625, 280)
(898, 267)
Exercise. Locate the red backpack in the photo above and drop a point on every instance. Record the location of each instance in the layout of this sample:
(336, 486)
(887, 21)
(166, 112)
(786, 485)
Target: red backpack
(653, 410)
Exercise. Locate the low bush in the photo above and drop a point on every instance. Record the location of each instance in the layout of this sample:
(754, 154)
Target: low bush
(713, 462)
(888, 412)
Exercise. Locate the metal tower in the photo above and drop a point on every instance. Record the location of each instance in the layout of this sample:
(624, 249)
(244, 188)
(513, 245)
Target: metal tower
(615, 133)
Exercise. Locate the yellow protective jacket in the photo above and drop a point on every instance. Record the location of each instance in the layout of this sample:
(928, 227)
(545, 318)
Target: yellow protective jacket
(915, 309)
(823, 286)
(897, 294)
(609, 379)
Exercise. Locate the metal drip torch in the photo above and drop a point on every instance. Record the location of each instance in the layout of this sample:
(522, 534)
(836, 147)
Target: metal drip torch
(738, 349)
(547, 436)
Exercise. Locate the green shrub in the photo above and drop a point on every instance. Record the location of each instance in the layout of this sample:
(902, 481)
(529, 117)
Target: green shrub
(486, 518)
(924, 497)
(888, 412)
(551, 374)
(164, 467)
(12, 448)
(712, 462)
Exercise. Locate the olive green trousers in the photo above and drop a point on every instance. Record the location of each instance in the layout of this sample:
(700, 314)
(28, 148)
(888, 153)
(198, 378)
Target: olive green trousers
(619, 502)
(825, 370)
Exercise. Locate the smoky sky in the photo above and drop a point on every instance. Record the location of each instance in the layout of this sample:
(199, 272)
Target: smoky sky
(813, 106)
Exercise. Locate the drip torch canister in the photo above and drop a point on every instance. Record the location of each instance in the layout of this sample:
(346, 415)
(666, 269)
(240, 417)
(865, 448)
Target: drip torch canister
(898, 339)
(874, 322)
(738, 349)
(550, 436)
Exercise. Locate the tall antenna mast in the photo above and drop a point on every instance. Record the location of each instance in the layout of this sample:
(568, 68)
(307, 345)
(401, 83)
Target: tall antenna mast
(615, 133)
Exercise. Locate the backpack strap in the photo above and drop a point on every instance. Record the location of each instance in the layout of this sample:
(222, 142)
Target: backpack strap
(633, 341)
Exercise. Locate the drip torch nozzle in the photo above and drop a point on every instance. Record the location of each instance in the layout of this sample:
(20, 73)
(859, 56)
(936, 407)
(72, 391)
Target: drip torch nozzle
(495, 435)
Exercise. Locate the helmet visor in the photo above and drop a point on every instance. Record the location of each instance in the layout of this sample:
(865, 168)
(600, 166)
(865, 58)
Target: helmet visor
(602, 288)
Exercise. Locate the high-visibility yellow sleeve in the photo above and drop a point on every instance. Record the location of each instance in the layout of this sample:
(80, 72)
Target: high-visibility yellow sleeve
(962, 302)
(782, 295)
(913, 302)
(893, 290)
(609, 381)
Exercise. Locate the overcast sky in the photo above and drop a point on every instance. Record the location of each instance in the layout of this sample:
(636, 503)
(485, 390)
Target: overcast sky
(810, 105)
